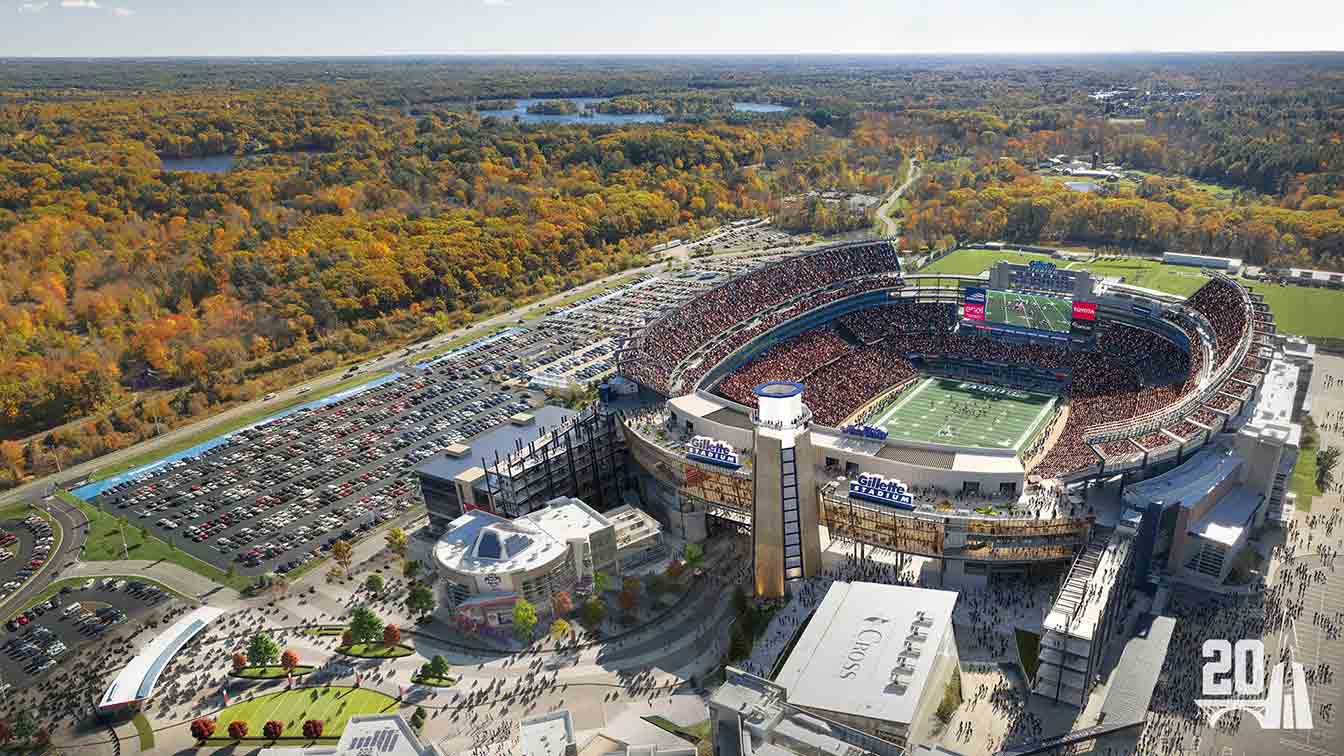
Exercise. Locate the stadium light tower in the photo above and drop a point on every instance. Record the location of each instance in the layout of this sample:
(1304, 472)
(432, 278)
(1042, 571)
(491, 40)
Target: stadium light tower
(786, 543)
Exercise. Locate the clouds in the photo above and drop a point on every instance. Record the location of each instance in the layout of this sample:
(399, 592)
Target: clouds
(33, 7)
(497, 3)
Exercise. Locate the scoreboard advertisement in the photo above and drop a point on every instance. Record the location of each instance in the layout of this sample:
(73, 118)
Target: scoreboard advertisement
(975, 304)
(1084, 321)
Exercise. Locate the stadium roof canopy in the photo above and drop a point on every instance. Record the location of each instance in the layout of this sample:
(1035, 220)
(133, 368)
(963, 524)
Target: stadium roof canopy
(845, 660)
(136, 681)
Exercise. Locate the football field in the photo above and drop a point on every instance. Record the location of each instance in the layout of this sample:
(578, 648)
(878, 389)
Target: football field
(1028, 311)
(965, 413)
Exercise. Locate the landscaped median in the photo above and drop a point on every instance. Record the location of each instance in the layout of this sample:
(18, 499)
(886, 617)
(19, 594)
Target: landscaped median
(305, 714)
(376, 650)
(272, 672)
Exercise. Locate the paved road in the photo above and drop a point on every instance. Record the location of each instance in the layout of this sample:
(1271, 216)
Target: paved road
(74, 529)
(890, 226)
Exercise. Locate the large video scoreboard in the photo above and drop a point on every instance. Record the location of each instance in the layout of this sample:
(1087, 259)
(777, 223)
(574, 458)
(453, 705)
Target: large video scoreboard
(1018, 311)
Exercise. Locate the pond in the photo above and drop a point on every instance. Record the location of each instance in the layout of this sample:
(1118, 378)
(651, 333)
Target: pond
(211, 164)
(1081, 186)
(759, 107)
(585, 114)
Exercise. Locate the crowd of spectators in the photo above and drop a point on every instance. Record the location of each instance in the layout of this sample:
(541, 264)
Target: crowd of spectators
(667, 341)
(792, 360)
(1130, 372)
(839, 389)
(1222, 303)
(907, 316)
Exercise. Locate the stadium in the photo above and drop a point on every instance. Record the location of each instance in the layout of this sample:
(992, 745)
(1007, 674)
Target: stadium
(979, 397)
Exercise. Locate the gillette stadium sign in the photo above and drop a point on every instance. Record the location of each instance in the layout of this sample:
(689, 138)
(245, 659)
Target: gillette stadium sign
(880, 490)
(713, 452)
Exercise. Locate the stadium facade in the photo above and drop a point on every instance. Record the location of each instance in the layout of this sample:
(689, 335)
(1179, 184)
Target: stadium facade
(780, 405)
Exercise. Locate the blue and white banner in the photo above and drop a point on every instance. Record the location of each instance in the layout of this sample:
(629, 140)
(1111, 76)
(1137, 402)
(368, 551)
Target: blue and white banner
(712, 451)
(880, 490)
(865, 431)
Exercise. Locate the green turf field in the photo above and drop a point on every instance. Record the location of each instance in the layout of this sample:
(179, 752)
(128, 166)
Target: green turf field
(334, 706)
(963, 413)
(1028, 311)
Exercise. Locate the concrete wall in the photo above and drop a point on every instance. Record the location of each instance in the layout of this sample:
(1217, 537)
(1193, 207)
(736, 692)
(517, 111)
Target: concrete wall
(767, 531)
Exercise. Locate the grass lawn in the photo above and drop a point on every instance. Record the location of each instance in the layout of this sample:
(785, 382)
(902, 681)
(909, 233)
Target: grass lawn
(1150, 274)
(334, 706)
(694, 733)
(1298, 309)
(271, 672)
(214, 430)
(104, 545)
(327, 632)
(145, 731)
(376, 651)
(1303, 482)
(969, 262)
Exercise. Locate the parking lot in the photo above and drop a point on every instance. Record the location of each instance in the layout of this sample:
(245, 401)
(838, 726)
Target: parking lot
(36, 641)
(279, 494)
(24, 546)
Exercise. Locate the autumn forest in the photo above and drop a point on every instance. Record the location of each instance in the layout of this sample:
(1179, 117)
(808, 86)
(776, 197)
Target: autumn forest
(369, 203)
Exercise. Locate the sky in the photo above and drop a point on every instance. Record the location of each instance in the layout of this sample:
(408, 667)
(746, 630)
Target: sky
(139, 28)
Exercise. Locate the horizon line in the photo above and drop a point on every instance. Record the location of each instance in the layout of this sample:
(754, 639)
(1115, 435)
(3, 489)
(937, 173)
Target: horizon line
(668, 54)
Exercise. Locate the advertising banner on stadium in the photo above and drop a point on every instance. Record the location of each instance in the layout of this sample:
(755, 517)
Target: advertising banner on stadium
(880, 490)
(1141, 310)
(1084, 310)
(712, 451)
(975, 303)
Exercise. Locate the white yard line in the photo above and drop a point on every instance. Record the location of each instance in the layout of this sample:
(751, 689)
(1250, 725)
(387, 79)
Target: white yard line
(917, 390)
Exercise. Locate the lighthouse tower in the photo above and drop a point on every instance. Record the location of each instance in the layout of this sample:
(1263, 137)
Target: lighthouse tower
(786, 543)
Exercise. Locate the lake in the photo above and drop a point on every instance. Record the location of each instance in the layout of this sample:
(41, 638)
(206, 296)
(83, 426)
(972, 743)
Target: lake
(212, 164)
(520, 110)
(759, 107)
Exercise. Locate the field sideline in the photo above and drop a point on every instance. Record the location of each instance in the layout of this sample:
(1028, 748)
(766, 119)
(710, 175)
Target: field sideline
(965, 413)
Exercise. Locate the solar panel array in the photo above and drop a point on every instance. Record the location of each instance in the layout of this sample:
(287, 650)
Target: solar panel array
(382, 741)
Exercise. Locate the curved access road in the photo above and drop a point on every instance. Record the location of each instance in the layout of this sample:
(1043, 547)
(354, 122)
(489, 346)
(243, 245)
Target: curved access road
(890, 226)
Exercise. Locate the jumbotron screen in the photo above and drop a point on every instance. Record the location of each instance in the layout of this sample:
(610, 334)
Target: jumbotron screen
(1019, 310)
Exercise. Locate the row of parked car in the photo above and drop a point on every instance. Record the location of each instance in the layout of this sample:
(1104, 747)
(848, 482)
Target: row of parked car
(43, 542)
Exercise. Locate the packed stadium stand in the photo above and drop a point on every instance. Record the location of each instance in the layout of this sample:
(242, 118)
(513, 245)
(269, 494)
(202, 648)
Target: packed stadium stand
(1131, 389)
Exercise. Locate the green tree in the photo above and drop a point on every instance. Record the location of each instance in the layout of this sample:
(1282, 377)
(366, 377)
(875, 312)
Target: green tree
(437, 666)
(524, 619)
(262, 649)
(601, 582)
(693, 556)
(559, 630)
(420, 599)
(396, 541)
(1326, 461)
(374, 583)
(343, 553)
(24, 726)
(594, 611)
(365, 626)
(409, 568)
